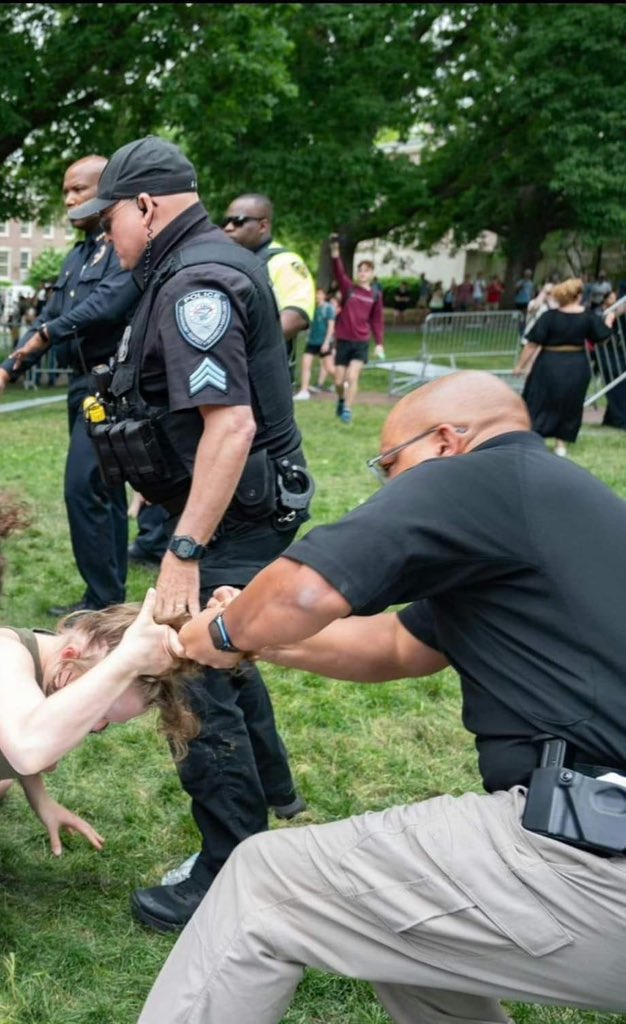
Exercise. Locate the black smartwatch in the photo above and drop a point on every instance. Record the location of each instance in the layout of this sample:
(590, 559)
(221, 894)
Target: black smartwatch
(186, 548)
(220, 637)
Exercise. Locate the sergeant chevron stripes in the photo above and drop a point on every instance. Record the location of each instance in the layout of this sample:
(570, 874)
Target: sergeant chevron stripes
(208, 374)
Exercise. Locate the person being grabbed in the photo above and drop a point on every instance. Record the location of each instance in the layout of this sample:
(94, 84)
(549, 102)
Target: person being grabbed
(98, 668)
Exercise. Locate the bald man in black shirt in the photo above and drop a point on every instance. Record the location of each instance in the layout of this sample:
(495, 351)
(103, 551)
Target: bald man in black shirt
(508, 556)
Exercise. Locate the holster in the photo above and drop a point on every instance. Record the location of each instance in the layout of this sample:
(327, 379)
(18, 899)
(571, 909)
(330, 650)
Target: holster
(255, 494)
(281, 488)
(573, 807)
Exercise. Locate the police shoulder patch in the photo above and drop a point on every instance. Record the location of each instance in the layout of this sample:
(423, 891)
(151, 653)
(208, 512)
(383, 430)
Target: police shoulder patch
(203, 317)
(300, 268)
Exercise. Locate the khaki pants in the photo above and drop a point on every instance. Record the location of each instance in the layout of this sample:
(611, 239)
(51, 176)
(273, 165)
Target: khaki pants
(446, 906)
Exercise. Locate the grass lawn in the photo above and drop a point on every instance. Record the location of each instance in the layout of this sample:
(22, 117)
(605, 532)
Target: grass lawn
(70, 952)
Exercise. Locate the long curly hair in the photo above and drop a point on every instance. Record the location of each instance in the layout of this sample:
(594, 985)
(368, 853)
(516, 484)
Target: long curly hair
(167, 693)
(14, 515)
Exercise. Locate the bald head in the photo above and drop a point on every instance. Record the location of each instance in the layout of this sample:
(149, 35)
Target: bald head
(471, 397)
(90, 165)
(80, 184)
(248, 220)
(459, 412)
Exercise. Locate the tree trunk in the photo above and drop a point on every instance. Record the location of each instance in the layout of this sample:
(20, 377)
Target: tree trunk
(522, 247)
(520, 257)
(597, 262)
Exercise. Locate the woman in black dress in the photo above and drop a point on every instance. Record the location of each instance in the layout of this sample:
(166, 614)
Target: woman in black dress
(557, 366)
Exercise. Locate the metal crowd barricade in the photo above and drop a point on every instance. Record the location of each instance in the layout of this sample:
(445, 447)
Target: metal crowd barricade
(487, 340)
(608, 361)
(47, 368)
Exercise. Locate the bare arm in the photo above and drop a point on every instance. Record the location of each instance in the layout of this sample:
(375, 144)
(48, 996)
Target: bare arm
(527, 357)
(35, 730)
(283, 604)
(220, 458)
(292, 322)
(56, 817)
(330, 330)
(363, 649)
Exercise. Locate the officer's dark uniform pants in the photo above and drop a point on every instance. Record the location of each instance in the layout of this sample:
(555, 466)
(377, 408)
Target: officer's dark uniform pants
(97, 514)
(238, 764)
(151, 539)
(221, 773)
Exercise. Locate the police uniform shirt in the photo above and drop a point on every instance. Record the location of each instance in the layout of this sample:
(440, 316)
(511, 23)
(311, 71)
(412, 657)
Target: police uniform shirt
(92, 301)
(195, 351)
(291, 279)
(92, 297)
(516, 562)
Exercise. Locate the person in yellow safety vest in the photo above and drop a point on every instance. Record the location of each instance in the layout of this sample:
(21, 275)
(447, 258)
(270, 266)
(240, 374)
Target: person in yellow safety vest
(248, 221)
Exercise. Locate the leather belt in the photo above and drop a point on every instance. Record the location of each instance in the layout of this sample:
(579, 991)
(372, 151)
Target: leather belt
(563, 348)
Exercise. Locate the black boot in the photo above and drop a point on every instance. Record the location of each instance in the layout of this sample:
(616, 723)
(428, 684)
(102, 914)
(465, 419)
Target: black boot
(167, 908)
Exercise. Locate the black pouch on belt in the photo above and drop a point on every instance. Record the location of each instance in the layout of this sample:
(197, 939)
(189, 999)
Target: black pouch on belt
(575, 808)
(142, 445)
(110, 468)
(255, 494)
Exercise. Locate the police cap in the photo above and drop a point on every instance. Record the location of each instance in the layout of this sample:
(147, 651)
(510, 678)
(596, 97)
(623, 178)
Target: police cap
(151, 165)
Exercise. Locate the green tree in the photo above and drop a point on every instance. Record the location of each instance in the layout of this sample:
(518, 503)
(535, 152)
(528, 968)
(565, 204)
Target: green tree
(80, 78)
(46, 267)
(358, 70)
(517, 107)
(525, 134)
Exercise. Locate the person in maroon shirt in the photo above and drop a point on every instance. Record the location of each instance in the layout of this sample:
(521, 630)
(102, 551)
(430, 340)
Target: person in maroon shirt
(360, 317)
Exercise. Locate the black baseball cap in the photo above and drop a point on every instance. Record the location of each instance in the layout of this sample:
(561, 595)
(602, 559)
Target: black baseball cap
(151, 165)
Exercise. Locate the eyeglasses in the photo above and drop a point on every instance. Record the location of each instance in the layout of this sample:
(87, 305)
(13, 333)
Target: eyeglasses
(106, 222)
(238, 220)
(381, 464)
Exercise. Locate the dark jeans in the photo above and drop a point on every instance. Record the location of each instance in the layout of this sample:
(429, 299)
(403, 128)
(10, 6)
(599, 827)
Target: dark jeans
(238, 765)
(97, 514)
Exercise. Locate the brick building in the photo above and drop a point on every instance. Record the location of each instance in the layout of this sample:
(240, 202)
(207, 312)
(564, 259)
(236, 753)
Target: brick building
(21, 242)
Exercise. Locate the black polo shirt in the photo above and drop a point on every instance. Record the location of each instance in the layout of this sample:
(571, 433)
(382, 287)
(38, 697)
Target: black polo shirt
(517, 562)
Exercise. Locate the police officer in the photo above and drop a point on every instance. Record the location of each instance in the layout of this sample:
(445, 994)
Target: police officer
(201, 376)
(452, 904)
(248, 221)
(83, 320)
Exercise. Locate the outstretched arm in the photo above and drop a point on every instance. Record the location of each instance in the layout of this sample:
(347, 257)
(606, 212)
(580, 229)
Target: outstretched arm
(56, 817)
(362, 649)
(369, 649)
(35, 730)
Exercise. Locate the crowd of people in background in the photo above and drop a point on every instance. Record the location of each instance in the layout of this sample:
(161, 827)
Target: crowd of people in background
(481, 292)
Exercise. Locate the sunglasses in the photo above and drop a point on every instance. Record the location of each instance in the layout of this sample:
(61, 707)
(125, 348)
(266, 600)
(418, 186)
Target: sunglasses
(381, 464)
(106, 222)
(238, 220)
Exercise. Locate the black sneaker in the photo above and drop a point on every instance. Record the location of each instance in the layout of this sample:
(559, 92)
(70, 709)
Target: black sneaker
(339, 409)
(168, 908)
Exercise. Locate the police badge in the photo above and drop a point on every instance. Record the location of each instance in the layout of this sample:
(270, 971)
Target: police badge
(98, 255)
(203, 318)
(122, 349)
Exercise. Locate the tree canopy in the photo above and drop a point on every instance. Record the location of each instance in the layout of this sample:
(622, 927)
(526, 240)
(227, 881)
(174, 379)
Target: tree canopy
(516, 107)
(81, 78)
(525, 135)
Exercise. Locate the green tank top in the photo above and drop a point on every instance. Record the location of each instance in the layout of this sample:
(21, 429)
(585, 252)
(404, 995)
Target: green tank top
(28, 639)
